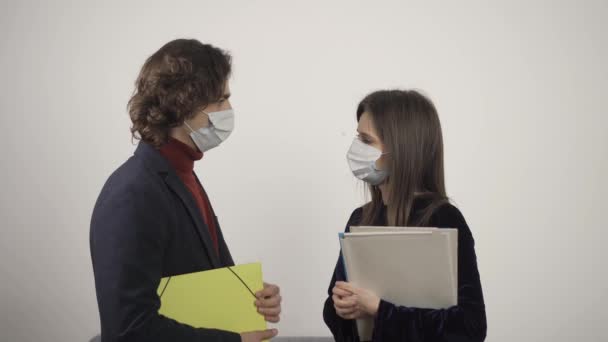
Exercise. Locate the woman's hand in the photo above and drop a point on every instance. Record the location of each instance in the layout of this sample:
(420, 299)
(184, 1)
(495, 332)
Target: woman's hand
(269, 303)
(345, 304)
(353, 302)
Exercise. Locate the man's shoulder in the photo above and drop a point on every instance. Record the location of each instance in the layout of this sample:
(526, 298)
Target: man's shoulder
(131, 173)
(132, 180)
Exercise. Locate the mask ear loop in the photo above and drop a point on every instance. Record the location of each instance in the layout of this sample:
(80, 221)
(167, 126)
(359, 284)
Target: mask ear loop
(193, 131)
(381, 154)
(376, 168)
(190, 128)
(209, 123)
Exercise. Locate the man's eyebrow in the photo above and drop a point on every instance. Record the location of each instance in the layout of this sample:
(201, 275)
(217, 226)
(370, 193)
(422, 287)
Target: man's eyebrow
(226, 96)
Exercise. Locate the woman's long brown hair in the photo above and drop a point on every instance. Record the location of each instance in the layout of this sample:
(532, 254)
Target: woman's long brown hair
(408, 125)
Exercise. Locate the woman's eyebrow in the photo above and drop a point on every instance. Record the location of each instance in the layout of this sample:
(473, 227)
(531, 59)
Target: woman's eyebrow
(365, 135)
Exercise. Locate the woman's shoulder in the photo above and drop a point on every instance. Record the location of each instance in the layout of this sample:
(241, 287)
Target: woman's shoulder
(355, 217)
(447, 215)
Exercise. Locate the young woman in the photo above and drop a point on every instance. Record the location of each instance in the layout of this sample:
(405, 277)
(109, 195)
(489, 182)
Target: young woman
(399, 153)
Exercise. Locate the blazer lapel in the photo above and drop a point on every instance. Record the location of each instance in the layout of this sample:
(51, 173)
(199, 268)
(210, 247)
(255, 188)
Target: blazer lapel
(153, 159)
(195, 214)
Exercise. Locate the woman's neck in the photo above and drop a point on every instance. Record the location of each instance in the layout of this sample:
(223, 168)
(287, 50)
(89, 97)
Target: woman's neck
(390, 209)
(385, 193)
(391, 214)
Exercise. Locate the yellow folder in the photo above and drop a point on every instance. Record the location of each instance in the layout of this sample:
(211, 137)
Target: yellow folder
(217, 299)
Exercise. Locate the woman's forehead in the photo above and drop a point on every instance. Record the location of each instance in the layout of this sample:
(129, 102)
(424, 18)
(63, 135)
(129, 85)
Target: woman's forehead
(366, 125)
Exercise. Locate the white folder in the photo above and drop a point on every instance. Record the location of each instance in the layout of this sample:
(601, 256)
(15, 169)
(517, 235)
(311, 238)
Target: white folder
(451, 233)
(413, 267)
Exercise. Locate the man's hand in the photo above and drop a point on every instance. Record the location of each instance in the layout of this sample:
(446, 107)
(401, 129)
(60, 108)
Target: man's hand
(258, 336)
(268, 303)
(353, 302)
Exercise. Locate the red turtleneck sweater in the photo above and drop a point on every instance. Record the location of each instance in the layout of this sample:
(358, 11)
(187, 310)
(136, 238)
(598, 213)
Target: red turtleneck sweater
(182, 157)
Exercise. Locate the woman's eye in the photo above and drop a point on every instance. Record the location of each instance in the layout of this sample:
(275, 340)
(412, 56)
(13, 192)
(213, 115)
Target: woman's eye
(363, 140)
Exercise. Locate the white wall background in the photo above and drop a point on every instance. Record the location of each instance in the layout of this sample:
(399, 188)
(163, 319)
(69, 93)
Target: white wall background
(520, 87)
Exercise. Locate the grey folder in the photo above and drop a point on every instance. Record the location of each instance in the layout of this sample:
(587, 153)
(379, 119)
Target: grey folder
(413, 267)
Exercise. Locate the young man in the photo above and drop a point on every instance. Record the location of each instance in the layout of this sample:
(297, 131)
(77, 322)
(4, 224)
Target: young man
(153, 218)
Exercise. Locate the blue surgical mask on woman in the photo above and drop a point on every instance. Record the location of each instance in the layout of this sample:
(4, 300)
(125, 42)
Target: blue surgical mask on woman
(362, 160)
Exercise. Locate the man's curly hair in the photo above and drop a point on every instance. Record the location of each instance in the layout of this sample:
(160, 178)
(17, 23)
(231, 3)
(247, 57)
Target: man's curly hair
(174, 83)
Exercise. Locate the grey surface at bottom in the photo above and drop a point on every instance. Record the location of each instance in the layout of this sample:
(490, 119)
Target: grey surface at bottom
(277, 339)
(303, 339)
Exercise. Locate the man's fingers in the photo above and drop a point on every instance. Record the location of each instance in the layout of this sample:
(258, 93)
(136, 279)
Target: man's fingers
(269, 290)
(274, 311)
(272, 319)
(258, 336)
(269, 302)
(267, 334)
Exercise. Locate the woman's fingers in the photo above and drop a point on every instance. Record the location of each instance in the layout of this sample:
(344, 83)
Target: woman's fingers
(345, 311)
(345, 286)
(348, 313)
(344, 302)
(343, 306)
(341, 292)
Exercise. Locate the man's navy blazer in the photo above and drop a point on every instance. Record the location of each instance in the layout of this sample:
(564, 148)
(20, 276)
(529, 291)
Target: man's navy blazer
(146, 225)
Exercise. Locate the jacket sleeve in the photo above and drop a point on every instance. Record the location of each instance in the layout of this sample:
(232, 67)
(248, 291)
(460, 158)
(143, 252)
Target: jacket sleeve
(464, 322)
(343, 330)
(129, 229)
